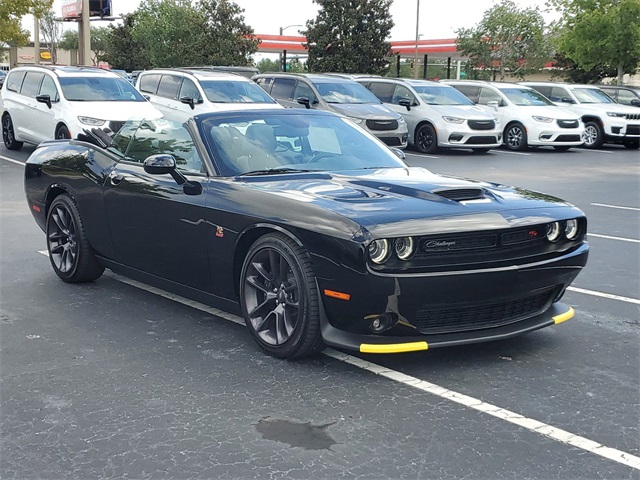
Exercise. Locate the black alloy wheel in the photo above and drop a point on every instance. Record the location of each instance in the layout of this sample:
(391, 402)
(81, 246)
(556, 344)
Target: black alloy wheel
(70, 253)
(426, 139)
(515, 137)
(593, 135)
(62, 133)
(279, 298)
(8, 134)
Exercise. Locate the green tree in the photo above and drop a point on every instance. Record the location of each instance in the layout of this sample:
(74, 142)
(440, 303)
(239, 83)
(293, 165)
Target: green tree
(268, 65)
(50, 29)
(599, 35)
(99, 43)
(123, 51)
(507, 39)
(350, 36)
(68, 40)
(11, 13)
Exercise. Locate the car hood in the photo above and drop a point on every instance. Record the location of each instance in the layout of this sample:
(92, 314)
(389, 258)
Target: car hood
(368, 111)
(550, 111)
(608, 107)
(116, 111)
(412, 200)
(462, 111)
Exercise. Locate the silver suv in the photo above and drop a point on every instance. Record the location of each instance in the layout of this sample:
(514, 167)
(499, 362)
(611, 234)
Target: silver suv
(340, 95)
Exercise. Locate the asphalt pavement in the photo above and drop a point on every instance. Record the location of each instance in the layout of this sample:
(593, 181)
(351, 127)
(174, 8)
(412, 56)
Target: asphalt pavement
(116, 379)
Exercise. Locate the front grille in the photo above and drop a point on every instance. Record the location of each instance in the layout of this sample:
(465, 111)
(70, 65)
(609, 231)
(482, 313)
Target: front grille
(632, 116)
(115, 126)
(461, 194)
(391, 141)
(435, 320)
(481, 124)
(568, 138)
(382, 125)
(481, 140)
(568, 123)
(633, 130)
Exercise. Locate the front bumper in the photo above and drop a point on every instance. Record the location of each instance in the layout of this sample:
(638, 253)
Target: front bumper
(548, 134)
(460, 135)
(557, 313)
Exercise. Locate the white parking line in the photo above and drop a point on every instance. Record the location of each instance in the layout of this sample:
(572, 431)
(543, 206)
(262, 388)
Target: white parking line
(610, 296)
(511, 153)
(421, 155)
(12, 160)
(615, 206)
(597, 151)
(514, 418)
(614, 238)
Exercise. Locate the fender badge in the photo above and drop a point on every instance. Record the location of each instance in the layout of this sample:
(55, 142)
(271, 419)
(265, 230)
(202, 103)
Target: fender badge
(219, 232)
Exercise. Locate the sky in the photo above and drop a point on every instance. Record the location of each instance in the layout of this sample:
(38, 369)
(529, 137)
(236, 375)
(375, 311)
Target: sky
(438, 18)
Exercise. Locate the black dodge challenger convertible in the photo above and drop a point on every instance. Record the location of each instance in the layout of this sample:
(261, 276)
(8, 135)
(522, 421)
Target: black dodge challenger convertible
(310, 228)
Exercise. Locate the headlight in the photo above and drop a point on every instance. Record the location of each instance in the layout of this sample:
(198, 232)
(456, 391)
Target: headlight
(453, 119)
(96, 122)
(571, 229)
(379, 251)
(542, 119)
(356, 120)
(401, 120)
(553, 231)
(616, 114)
(404, 247)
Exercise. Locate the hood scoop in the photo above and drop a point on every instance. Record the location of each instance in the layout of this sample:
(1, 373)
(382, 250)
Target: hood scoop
(461, 194)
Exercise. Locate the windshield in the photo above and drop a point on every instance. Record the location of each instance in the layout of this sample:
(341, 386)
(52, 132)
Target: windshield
(433, 95)
(591, 95)
(221, 91)
(99, 89)
(345, 92)
(526, 97)
(242, 144)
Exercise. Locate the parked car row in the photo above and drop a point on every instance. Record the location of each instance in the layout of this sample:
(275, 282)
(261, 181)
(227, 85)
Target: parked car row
(40, 103)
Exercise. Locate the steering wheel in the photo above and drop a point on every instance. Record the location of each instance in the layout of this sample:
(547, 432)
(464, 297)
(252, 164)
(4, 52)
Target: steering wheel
(319, 156)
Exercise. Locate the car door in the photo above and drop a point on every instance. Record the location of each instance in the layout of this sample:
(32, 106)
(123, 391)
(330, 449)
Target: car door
(28, 121)
(154, 222)
(189, 89)
(417, 112)
(48, 114)
(167, 98)
(282, 90)
(488, 95)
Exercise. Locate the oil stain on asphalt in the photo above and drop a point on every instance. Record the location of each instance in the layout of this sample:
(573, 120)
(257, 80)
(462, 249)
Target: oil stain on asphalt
(296, 434)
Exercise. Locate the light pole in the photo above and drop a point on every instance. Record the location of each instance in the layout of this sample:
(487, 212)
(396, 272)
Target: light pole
(415, 60)
(283, 55)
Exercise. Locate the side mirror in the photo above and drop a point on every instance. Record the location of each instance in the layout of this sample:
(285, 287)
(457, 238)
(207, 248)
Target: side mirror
(160, 164)
(567, 100)
(46, 99)
(635, 102)
(398, 153)
(405, 103)
(189, 101)
(494, 104)
(304, 101)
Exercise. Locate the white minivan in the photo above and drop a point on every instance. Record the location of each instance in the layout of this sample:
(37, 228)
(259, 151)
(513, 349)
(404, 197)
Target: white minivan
(39, 103)
(180, 93)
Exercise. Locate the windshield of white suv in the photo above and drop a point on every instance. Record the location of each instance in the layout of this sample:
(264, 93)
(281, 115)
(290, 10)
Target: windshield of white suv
(591, 95)
(526, 97)
(220, 91)
(441, 95)
(344, 92)
(99, 89)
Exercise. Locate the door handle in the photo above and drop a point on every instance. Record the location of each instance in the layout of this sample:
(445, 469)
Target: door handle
(116, 178)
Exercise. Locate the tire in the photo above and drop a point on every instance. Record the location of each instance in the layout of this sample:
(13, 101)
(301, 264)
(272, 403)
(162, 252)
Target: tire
(515, 137)
(561, 148)
(632, 144)
(426, 139)
(70, 253)
(8, 134)
(480, 150)
(62, 133)
(593, 135)
(279, 298)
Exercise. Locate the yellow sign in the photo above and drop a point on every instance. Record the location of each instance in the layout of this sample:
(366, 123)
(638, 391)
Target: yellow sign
(45, 55)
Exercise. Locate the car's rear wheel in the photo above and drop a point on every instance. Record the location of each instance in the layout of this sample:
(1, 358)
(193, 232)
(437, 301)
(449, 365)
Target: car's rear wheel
(593, 135)
(62, 133)
(632, 145)
(426, 139)
(9, 134)
(515, 137)
(279, 297)
(71, 255)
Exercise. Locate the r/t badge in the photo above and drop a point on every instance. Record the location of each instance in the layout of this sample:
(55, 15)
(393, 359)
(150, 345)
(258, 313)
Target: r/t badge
(219, 232)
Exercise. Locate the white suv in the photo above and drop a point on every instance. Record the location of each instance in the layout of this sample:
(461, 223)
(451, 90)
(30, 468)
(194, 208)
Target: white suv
(41, 103)
(528, 118)
(437, 115)
(604, 119)
(180, 93)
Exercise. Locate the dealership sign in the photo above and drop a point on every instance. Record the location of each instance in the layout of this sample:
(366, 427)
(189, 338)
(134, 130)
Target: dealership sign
(71, 8)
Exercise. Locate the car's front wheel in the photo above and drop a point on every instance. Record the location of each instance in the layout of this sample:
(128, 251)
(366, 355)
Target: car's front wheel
(9, 134)
(279, 297)
(70, 253)
(426, 139)
(515, 137)
(593, 135)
